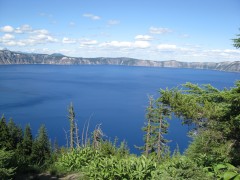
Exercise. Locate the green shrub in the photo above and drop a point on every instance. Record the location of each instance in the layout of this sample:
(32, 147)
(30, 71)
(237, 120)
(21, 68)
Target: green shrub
(76, 159)
(124, 168)
(223, 171)
(179, 167)
(6, 169)
(209, 148)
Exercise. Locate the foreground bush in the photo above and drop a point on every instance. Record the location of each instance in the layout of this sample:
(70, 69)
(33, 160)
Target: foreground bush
(6, 169)
(224, 171)
(180, 167)
(95, 165)
(124, 168)
(76, 159)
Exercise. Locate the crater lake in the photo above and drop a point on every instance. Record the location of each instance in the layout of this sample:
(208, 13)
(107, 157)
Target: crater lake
(114, 96)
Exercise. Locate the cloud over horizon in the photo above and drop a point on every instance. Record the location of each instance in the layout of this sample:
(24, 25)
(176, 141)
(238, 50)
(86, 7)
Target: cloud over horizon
(141, 46)
(159, 30)
(91, 16)
(27, 36)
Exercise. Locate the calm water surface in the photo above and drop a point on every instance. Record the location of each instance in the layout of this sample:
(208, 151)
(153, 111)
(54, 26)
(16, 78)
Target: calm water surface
(113, 96)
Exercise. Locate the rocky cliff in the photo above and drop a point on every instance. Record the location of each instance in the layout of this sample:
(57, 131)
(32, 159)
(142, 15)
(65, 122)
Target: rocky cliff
(11, 57)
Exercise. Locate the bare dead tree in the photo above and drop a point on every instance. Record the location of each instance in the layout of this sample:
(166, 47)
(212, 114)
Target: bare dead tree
(66, 135)
(97, 136)
(71, 118)
(83, 133)
(86, 136)
(77, 135)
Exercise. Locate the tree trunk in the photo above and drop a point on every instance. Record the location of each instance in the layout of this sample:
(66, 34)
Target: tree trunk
(148, 138)
(71, 118)
(159, 137)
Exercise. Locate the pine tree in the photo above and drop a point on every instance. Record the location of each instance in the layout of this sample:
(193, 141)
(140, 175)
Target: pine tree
(41, 150)
(4, 134)
(215, 116)
(27, 141)
(162, 127)
(155, 129)
(24, 149)
(236, 41)
(149, 117)
(16, 134)
(7, 171)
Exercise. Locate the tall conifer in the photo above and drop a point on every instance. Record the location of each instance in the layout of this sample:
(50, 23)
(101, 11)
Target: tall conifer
(155, 129)
(41, 150)
(16, 134)
(4, 134)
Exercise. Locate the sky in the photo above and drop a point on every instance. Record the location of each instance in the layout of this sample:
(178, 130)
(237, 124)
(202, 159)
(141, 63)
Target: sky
(183, 30)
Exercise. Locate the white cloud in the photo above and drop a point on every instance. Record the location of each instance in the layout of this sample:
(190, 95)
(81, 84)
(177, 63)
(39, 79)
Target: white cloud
(141, 44)
(66, 40)
(19, 43)
(223, 51)
(126, 44)
(113, 22)
(232, 51)
(88, 42)
(7, 29)
(10, 43)
(18, 30)
(216, 50)
(13, 43)
(143, 38)
(91, 16)
(41, 38)
(116, 44)
(23, 29)
(31, 36)
(40, 31)
(155, 30)
(167, 47)
(7, 37)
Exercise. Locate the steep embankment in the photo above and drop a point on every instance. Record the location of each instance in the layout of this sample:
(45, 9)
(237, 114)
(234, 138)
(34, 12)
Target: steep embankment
(11, 57)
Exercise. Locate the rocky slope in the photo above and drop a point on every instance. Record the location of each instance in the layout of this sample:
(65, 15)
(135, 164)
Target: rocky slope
(11, 57)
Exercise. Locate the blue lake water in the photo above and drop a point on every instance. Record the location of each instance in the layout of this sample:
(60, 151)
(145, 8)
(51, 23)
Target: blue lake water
(113, 96)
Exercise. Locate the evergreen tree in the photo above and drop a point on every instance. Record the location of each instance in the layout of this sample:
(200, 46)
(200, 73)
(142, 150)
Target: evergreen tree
(215, 115)
(155, 129)
(15, 133)
(41, 149)
(236, 41)
(162, 129)
(27, 141)
(24, 149)
(148, 128)
(5, 140)
(7, 171)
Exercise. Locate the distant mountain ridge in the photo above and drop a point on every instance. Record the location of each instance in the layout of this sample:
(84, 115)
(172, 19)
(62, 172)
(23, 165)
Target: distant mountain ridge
(11, 57)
